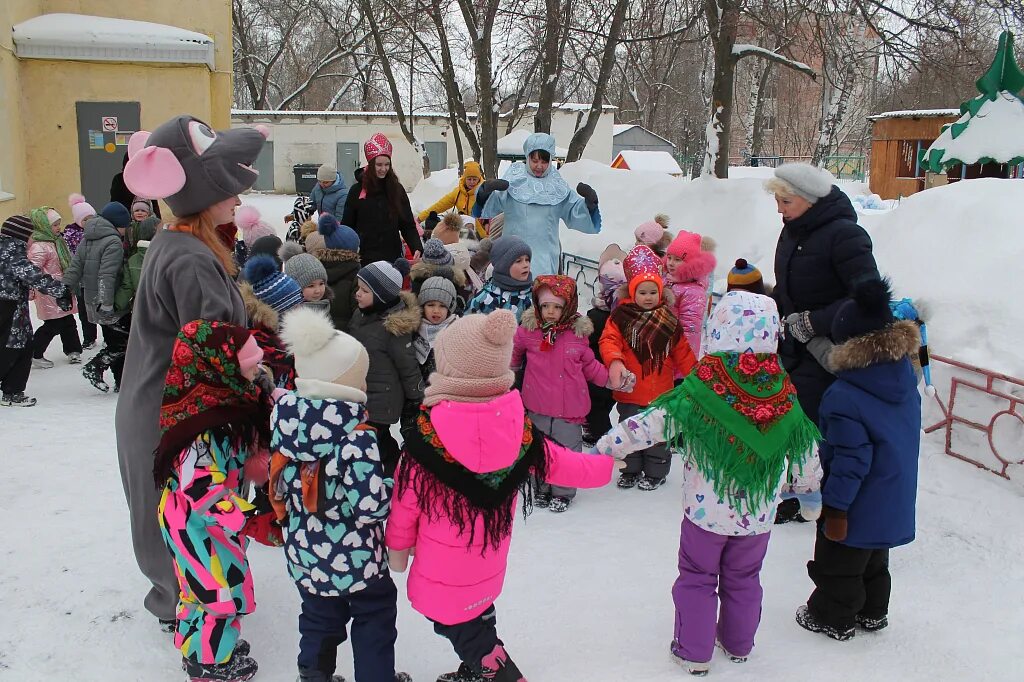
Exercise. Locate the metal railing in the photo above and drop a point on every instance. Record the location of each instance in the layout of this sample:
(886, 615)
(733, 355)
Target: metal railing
(581, 269)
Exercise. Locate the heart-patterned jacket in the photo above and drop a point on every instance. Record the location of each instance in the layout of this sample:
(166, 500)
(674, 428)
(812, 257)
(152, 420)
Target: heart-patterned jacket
(335, 494)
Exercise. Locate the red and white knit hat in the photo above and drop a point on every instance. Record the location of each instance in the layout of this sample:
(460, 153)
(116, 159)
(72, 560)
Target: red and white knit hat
(378, 145)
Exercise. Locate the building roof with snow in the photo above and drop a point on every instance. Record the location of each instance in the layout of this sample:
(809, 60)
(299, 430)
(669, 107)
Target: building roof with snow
(81, 37)
(657, 162)
(915, 113)
(511, 146)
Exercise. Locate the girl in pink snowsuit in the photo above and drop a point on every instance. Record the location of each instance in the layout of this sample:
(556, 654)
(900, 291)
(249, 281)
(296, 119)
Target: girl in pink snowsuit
(689, 262)
(458, 484)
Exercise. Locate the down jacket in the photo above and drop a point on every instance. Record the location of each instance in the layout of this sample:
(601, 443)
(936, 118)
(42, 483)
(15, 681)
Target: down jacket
(341, 266)
(394, 377)
(555, 382)
(339, 548)
(450, 580)
(332, 199)
(44, 256)
(821, 256)
(871, 430)
(18, 276)
(97, 266)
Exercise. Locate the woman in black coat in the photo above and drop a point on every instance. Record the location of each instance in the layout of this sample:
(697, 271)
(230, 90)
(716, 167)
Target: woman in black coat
(821, 256)
(378, 208)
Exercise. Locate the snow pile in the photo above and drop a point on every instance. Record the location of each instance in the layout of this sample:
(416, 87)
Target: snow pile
(432, 188)
(655, 162)
(996, 133)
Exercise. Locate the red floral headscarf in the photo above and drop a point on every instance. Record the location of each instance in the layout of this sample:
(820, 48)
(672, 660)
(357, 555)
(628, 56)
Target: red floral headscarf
(564, 288)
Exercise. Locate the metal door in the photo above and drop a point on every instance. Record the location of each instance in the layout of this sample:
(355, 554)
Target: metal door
(265, 166)
(348, 161)
(103, 132)
(437, 152)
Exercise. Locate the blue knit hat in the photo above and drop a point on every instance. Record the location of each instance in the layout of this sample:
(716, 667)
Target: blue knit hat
(117, 214)
(270, 285)
(337, 236)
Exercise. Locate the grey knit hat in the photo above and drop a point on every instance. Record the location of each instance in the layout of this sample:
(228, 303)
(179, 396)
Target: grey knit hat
(809, 182)
(438, 289)
(505, 252)
(384, 279)
(305, 269)
(326, 173)
(435, 253)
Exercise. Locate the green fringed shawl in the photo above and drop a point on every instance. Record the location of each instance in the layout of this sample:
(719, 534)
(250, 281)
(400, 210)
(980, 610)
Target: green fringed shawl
(736, 417)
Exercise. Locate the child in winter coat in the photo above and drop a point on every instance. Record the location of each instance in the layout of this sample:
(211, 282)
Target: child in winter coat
(511, 284)
(142, 209)
(48, 251)
(655, 234)
(311, 276)
(253, 228)
(73, 235)
(337, 248)
(264, 323)
(385, 322)
(124, 299)
(559, 366)
(736, 421)
(745, 276)
(689, 261)
(644, 337)
(437, 260)
(610, 279)
(97, 266)
(870, 420)
(328, 484)
(273, 287)
(18, 275)
(534, 197)
(438, 301)
(212, 418)
(330, 192)
(302, 210)
(473, 453)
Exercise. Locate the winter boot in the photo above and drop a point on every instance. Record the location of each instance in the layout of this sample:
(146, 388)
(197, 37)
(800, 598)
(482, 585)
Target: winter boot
(88, 345)
(788, 510)
(401, 677)
(498, 667)
(807, 621)
(651, 482)
(16, 400)
(41, 363)
(95, 375)
(237, 669)
(313, 675)
(731, 657)
(168, 626)
(628, 480)
(465, 673)
(74, 358)
(560, 504)
(542, 499)
(872, 624)
(693, 667)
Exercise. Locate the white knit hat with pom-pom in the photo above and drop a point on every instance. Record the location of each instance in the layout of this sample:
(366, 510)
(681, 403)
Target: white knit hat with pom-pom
(250, 222)
(473, 356)
(323, 354)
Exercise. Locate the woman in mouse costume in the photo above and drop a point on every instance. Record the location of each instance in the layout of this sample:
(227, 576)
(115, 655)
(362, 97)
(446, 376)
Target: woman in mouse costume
(189, 272)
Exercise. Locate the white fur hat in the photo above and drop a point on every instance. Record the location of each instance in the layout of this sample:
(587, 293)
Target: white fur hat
(810, 182)
(324, 355)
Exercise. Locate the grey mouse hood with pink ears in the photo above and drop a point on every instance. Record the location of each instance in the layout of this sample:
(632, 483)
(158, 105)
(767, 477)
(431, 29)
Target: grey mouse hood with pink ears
(191, 166)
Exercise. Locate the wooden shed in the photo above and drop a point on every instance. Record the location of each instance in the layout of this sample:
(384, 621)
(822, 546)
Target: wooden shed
(627, 136)
(898, 140)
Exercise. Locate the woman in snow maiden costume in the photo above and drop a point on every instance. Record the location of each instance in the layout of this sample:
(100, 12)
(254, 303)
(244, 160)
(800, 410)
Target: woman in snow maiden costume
(737, 423)
(188, 275)
(473, 453)
(212, 418)
(871, 431)
(534, 197)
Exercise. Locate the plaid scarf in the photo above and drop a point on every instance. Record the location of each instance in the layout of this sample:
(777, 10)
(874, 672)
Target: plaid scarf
(651, 334)
(564, 288)
(737, 418)
(205, 390)
(43, 232)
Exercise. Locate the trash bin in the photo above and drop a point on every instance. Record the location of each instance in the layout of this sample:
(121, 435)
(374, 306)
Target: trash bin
(305, 177)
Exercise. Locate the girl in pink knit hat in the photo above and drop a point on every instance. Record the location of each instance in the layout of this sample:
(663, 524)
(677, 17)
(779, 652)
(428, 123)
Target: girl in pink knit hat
(689, 262)
(472, 454)
(654, 233)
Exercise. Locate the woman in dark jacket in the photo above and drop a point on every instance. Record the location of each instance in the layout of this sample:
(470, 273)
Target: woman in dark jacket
(821, 256)
(378, 208)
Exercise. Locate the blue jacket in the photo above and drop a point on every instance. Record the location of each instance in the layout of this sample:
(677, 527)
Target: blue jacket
(339, 549)
(332, 199)
(871, 428)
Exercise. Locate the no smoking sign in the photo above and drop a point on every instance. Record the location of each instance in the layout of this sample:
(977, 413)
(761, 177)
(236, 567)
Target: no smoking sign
(109, 124)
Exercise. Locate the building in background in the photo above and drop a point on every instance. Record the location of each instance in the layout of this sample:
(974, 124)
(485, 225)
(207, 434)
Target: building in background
(629, 136)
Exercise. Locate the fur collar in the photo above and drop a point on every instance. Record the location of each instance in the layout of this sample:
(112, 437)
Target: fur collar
(421, 271)
(885, 345)
(334, 255)
(406, 320)
(697, 266)
(314, 389)
(582, 328)
(259, 313)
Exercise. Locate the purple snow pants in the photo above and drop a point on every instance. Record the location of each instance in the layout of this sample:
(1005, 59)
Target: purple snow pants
(730, 565)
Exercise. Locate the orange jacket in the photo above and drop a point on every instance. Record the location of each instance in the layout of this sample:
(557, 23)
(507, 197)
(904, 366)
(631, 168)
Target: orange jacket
(614, 347)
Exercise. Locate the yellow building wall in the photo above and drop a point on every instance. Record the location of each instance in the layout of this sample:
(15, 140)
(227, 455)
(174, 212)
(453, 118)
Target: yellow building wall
(38, 127)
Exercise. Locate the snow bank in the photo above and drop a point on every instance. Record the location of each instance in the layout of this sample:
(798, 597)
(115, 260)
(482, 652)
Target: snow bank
(432, 188)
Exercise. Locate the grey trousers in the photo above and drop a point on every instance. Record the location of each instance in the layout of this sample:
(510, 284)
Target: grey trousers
(655, 461)
(564, 433)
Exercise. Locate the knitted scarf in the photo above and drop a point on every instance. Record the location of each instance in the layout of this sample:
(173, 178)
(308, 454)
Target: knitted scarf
(445, 489)
(565, 288)
(205, 390)
(651, 334)
(506, 282)
(428, 332)
(43, 232)
(736, 417)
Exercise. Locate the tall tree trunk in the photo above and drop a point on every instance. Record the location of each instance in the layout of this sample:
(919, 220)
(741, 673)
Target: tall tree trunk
(723, 21)
(552, 50)
(480, 29)
(835, 99)
(757, 132)
(456, 105)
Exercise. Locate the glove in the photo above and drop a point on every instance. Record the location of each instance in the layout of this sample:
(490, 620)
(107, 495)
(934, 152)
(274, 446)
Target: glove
(821, 348)
(410, 411)
(588, 194)
(431, 222)
(64, 302)
(265, 380)
(835, 524)
(798, 325)
(484, 193)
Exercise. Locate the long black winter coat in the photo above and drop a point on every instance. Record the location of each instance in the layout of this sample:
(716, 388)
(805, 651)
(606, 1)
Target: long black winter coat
(820, 258)
(378, 231)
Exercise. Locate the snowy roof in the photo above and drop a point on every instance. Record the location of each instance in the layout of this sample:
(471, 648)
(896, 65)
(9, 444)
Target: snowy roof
(915, 113)
(90, 38)
(512, 144)
(283, 113)
(619, 128)
(660, 162)
(568, 106)
(995, 134)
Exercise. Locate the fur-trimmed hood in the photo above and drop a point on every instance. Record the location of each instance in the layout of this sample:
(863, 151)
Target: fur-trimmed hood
(871, 362)
(697, 266)
(422, 271)
(259, 313)
(407, 319)
(334, 255)
(583, 327)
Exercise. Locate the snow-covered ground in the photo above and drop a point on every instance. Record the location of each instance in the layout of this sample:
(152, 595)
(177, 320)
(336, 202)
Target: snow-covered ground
(587, 597)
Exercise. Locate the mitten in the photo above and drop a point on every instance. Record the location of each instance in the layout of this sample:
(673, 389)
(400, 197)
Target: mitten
(431, 222)
(484, 193)
(588, 194)
(64, 302)
(798, 325)
(835, 524)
